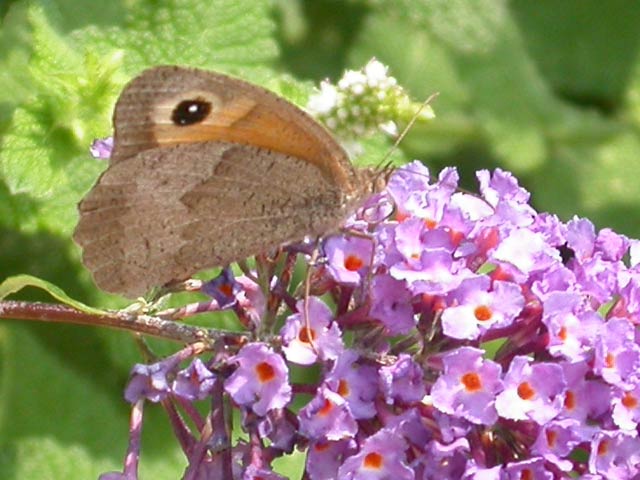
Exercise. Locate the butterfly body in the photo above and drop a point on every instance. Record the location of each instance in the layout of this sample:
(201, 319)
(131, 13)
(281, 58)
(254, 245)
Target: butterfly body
(207, 170)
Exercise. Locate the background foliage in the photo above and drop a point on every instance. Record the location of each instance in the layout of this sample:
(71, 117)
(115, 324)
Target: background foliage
(548, 89)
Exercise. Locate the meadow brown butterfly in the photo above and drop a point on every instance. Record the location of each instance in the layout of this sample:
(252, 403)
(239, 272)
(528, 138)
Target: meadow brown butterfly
(206, 170)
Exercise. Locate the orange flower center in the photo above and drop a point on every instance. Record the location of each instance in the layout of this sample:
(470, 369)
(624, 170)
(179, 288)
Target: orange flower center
(430, 223)
(570, 400)
(305, 333)
(401, 216)
(629, 400)
(226, 289)
(610, 360)
(456, 236)
(603, 447)
(526, 474)
(562, 334)
(373, 461)
(552, 436)
(321, 446)
(483, 313)
(265, 372)
(471, 382)
(326, 408)
(353, 263)
(526, 391)
(343, 388)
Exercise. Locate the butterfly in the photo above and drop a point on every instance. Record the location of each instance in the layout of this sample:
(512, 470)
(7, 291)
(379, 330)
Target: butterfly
(206, 170)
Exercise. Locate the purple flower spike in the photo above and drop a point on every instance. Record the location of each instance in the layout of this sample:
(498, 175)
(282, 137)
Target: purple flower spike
(327, 417)
(407, 188)
(223, 289)
(468, 387)
(375, 210)
(532, 391)
(480, 307)
(502, 187)
(584, 398)
(382, 456)
(325, 341)
(426, 262)
(253, 472)
(474, 472)
(148, 381)
(445, 460)
(615, 455)
(260, 381)
(278, 428)
(356, 383)
(573, 328)
(618, 354)
(101, 148)
(251, 300)
(581, 237)
(324, 458)
(194, 382)
(403, 381)
(466, 337)
(392, 304)
(348, 258)
(526, 250)
(612, 245)
(626, 408)
(530, 468)
(557, 439)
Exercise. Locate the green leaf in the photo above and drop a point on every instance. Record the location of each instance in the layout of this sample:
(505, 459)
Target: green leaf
(14, 284)
(228, 35)
(45, 149)
(585, 56)
(15, 50)
(602, 193)
(58, 420)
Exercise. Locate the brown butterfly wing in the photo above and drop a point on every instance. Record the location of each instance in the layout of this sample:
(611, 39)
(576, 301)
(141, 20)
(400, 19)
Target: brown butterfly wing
(240, 112)
(206, 169)
(168, 212)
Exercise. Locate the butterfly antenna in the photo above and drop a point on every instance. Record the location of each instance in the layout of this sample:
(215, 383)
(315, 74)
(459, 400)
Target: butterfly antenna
(385, 163)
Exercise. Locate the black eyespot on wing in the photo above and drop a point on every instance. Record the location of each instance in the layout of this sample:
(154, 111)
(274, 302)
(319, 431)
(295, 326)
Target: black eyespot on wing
(188, 112)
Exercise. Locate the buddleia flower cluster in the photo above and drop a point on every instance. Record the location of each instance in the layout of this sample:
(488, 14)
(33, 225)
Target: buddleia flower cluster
(445, 336)
(442, 335)
(363, 102)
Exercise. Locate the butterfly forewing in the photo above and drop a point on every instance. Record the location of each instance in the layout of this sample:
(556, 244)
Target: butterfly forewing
(240, 112)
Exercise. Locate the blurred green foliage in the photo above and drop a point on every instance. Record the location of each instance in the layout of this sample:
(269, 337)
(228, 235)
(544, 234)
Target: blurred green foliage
(546, 89)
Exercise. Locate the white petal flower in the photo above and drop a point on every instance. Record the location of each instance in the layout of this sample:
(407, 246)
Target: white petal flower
(389, 128)
(351, 77)
(376, 72)
(325, 100)
(365, 101)
(357, 88)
